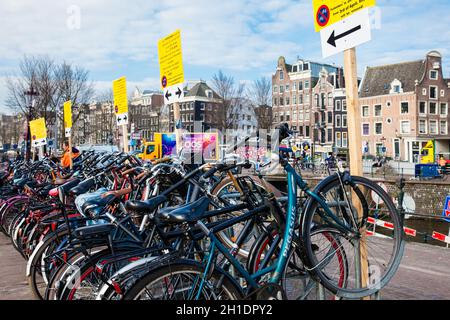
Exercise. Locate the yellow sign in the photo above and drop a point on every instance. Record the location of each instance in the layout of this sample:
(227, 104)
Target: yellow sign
(328, 12)
(120, 96)
(171, 60)
(38, 132)
(68, 115)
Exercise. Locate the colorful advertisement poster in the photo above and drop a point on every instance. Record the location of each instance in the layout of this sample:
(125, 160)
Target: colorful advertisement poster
(168, 144)
(202, 143)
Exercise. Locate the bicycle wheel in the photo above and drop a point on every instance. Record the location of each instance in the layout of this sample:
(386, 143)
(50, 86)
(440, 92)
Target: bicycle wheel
(176, 281)
(296, 281)
(373, 253)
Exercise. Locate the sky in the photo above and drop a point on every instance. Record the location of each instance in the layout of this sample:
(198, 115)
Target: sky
(243, 38)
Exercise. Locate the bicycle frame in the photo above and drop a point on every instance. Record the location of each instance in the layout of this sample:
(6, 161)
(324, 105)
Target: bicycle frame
(295, 181)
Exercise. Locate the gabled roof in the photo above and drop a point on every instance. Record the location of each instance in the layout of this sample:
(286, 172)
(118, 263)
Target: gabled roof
(377, 80)
(199, 90)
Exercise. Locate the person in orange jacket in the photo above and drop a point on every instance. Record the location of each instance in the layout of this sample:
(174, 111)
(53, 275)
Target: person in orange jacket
(65, 160)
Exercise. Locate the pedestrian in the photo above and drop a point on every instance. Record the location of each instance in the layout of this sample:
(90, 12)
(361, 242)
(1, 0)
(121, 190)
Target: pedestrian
(65, 160)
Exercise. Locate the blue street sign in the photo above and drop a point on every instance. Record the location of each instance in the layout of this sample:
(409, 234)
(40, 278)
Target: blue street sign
(446, 212)
(383, 149)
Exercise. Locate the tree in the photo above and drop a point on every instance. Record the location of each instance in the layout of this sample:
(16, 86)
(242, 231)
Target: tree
(55, 84)
(232, 95)
(260, 93)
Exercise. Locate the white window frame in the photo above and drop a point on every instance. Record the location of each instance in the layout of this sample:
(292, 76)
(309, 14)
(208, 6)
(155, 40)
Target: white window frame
(338, 141)
(446, 109)
(362, 129)
(437, 75)
(437, 108)
(375, 128)
(424, 91)
(437, 92)
(338, 116)
(437, 127)
(402, 102)
(362, 111)
(338, 105)
(446, 127)
(442, 93)
(344, 145)
(344, 116)
(426, 126)
(344, 105)
(381, 110)
(401, 126)
(426, 107)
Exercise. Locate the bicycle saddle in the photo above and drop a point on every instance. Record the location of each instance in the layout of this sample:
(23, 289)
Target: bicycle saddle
(144, 207)
(83, 187)
(191, 212)
(65, 188)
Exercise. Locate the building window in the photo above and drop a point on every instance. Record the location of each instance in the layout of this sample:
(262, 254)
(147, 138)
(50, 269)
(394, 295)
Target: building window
(338, 121)
(300, 99)
(330, 135)
(281, 75)
(444, 109)
(281, 89)
(307, 131)
(330, 99)
(288, 116)
(330, 117)
(434, 75)
(281, 101)
(287, 87)
(344, 121)
(365, 111)
(378, 128)
(377, 110)
(300, 86)
(422, 127)
(366, 129)
(307, 100)
(294, 99)
(338, 141)
(344, 105)
(443, 127)
(344, 139)
(424, 92)
(338, 105)
(433, 127)
(433, 92)
(288, 100)
(404, 108)
(442, 93)
(405, 127)
(422, 107)
(307, 116)
(275, 101)
(300, 129)
(275, 89)
(433, 108)
(306, 84)
(294, 86)
(300, 116)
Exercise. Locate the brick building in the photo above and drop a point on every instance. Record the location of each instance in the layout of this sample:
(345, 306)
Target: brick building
(304, 97)
(405, 105)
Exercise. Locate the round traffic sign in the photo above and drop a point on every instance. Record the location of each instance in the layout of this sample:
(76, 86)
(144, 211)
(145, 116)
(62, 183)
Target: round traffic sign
(117, 109)
(323, 16)
(164, 81)
(34, 137)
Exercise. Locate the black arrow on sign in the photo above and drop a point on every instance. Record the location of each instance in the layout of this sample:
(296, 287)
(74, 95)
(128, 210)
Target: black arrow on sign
(178, 93)
(168, 95)
(125, 118)
(333, 38)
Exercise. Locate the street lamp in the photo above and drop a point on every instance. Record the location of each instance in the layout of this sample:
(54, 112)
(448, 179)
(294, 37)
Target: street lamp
(31, 93)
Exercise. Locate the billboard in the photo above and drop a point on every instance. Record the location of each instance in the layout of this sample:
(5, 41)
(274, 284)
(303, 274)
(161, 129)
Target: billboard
(202, 143)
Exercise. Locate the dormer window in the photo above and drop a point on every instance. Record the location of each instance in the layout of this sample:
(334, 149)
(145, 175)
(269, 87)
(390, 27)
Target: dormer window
(396, 87)
(209, 94)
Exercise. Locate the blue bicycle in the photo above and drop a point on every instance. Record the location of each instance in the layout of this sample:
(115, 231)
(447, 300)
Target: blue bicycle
(334, 238)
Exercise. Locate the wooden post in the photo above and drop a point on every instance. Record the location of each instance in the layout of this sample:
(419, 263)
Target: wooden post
(125, 138)
(176, 119)
(355, 149)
